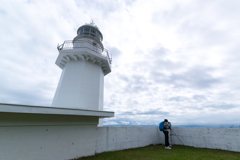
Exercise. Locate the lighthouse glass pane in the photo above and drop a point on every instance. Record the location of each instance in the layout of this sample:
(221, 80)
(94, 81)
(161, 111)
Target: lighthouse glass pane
(86, 33)
(86, 29)
(93, 31)
(92, 35)
(80, 31)
(97, 34)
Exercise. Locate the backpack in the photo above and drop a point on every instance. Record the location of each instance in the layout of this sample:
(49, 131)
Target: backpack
(161, 126)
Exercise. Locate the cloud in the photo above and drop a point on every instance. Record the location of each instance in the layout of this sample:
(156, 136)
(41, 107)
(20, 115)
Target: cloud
(221, 106)
(110, 122)
(124, 122)
(197, 77)
(147, 112)
(178, 98)
(199, 97)
(115, 52)
(177, 60)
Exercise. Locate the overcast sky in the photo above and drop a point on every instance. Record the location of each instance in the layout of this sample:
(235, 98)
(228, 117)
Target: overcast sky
(172, 59)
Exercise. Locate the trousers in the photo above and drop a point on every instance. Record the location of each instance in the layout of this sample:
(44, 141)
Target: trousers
(167, 138)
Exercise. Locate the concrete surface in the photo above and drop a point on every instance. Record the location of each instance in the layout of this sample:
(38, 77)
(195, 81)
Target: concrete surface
(80, 86)
(55, 137)
(30, 109)
(47, 133)
(214, 138)
(119, 138)
(46, 137)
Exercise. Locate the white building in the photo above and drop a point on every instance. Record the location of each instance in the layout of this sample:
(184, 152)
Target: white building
(84, 63)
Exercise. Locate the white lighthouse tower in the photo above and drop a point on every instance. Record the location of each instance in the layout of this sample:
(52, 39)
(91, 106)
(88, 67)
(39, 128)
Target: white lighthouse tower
(84, 63)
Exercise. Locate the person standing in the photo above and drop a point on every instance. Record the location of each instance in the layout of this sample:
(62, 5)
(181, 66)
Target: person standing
(166, 131)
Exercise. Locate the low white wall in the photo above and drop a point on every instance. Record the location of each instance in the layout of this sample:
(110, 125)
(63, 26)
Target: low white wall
(213, 138)
(120, 138)
(55, 137)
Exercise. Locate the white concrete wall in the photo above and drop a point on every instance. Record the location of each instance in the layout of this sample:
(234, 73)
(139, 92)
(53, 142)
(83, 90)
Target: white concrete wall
(48, 137)
(119, 138)
(80, 86)
(101, 95)
(56, 137)
(214, 138)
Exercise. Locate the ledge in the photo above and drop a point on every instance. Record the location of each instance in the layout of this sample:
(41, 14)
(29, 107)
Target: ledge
(29, 109)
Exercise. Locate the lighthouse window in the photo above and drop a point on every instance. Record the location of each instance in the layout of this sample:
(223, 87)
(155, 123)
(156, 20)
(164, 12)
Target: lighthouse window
(93, 31)
(86, 29)
(90, 32)
(98, 36)
(80, 31)
(92, 35)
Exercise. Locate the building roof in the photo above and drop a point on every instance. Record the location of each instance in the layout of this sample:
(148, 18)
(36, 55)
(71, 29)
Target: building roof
(30, 109)
(91, 24)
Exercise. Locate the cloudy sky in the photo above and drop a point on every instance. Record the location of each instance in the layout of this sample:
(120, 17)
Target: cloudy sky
(172, 59)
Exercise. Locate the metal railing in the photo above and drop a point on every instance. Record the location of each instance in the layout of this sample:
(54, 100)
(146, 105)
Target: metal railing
(69, 44)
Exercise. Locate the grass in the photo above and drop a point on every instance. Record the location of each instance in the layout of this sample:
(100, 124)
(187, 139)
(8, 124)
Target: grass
(158, 152)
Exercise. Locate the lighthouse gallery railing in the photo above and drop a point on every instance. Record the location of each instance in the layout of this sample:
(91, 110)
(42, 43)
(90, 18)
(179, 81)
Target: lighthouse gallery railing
(69, 44)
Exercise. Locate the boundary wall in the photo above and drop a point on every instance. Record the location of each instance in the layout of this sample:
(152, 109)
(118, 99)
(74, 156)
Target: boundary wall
(120, 138)
(58, 137)
(212, 138)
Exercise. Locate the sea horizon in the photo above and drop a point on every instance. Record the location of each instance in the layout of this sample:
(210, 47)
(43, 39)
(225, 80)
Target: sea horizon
(191, 125)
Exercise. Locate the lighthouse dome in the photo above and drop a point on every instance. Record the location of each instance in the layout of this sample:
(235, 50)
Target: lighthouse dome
(90, 30)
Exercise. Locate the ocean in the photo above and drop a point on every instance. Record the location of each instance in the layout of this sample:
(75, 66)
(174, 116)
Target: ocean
(192, 125)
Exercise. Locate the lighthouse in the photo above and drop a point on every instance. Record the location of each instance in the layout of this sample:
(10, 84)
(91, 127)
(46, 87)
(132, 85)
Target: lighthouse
(84, 63)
